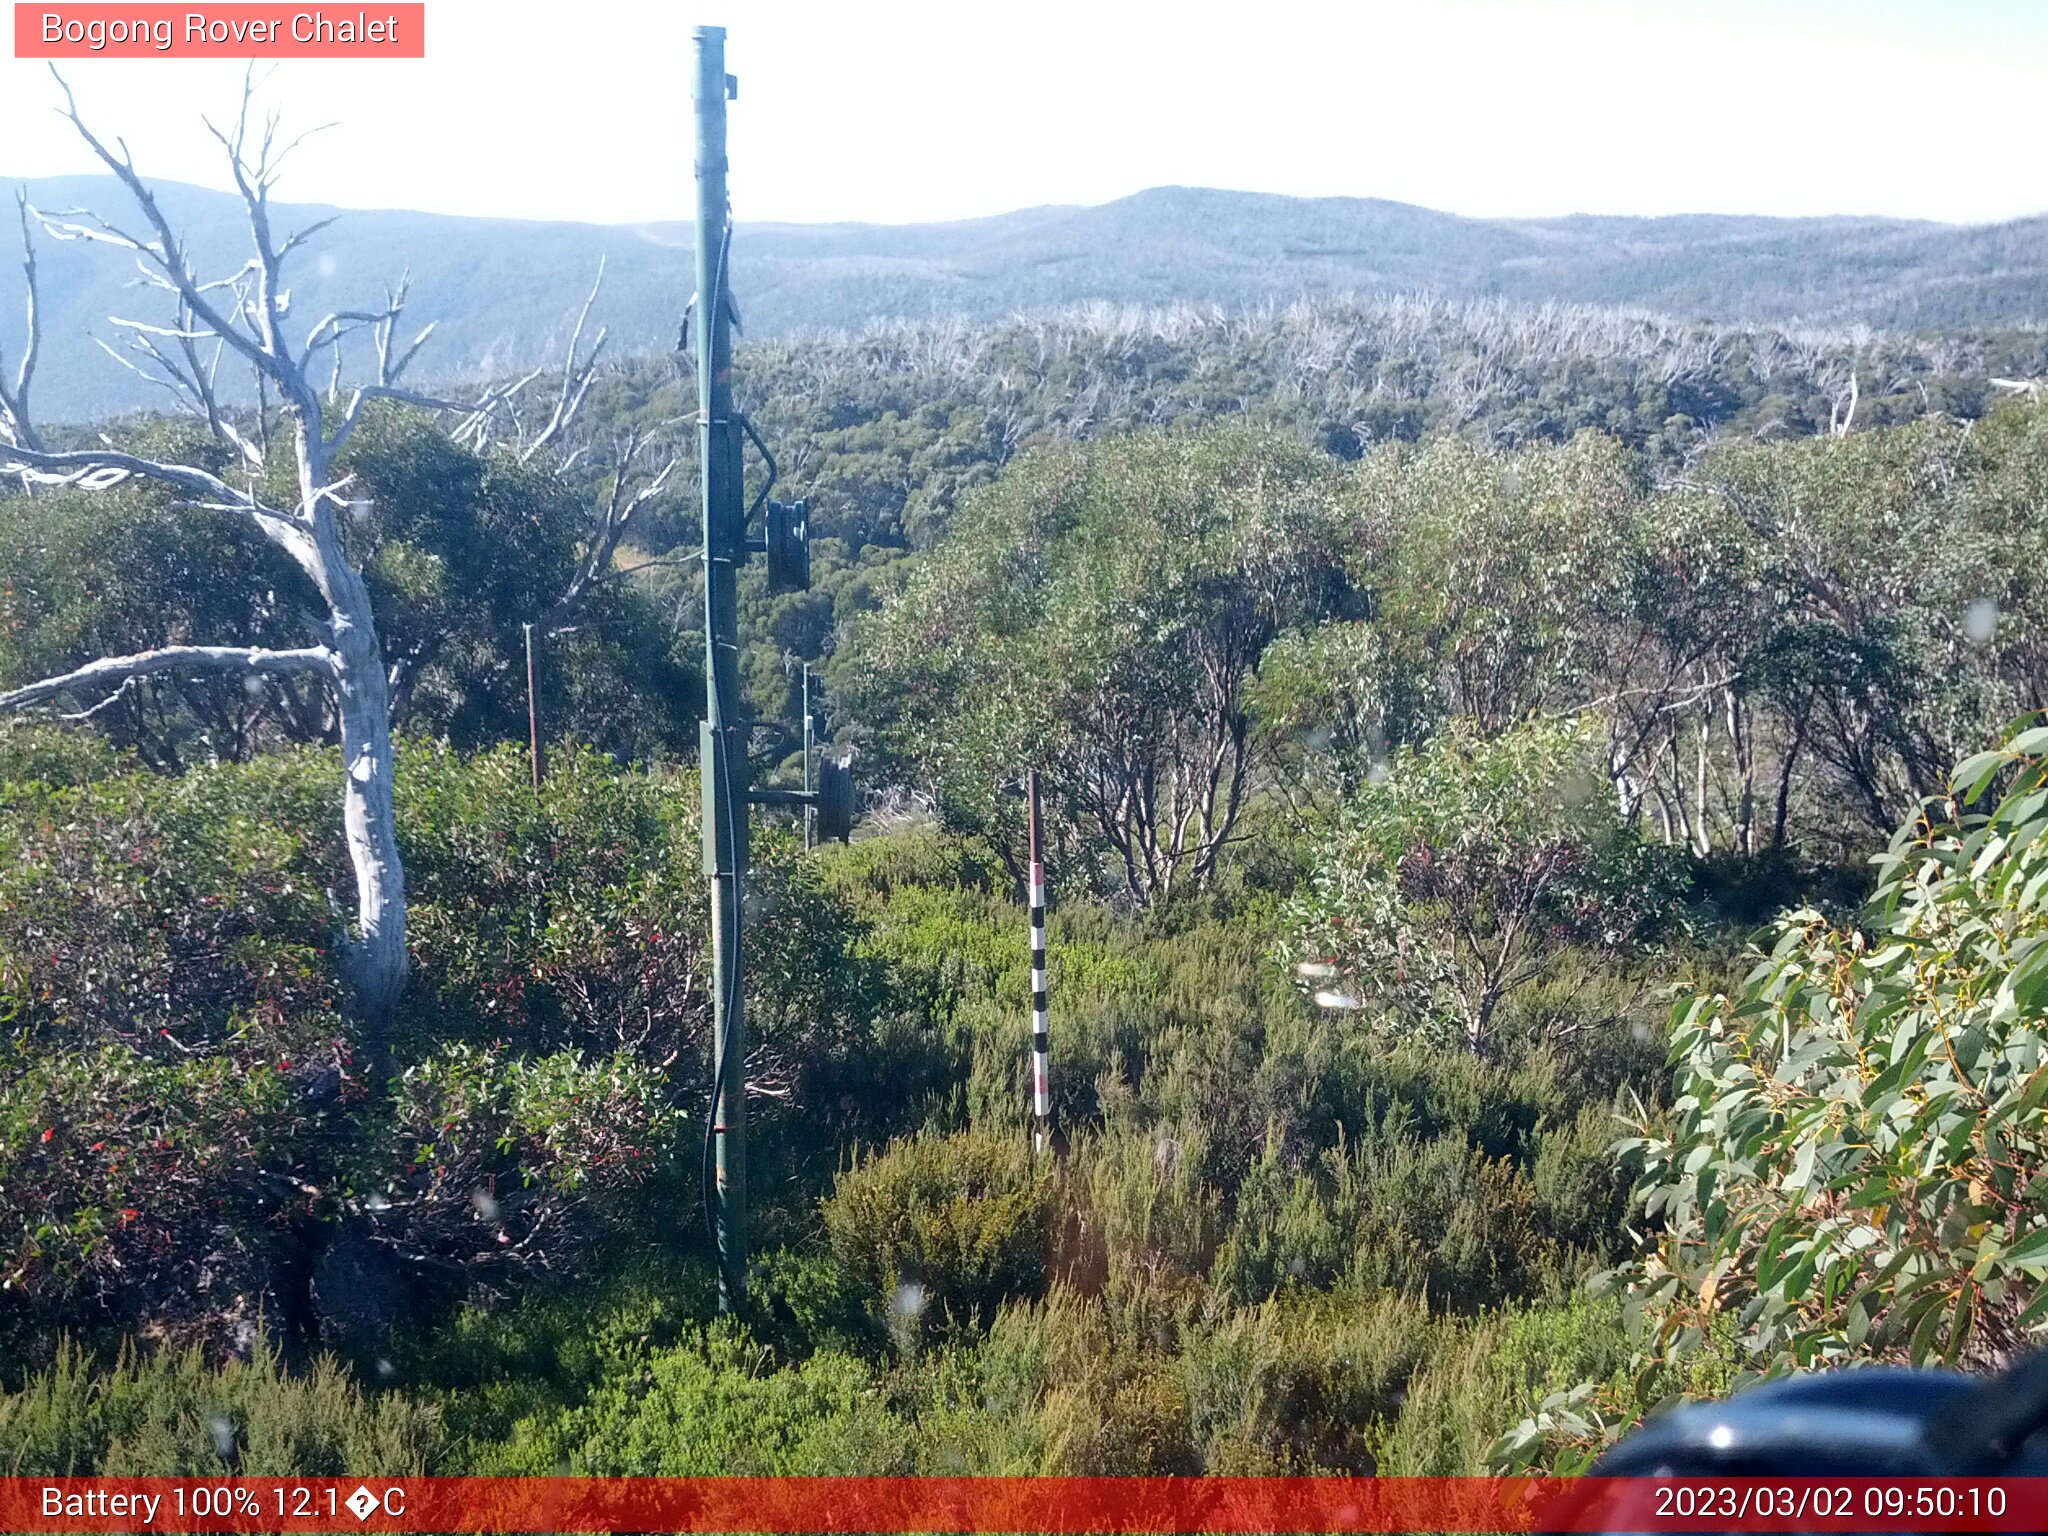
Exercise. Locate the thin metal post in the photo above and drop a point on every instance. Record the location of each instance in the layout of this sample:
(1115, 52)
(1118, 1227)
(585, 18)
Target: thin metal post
(532, 717)
(722, 758)
(810, 814)
(1041, 1041)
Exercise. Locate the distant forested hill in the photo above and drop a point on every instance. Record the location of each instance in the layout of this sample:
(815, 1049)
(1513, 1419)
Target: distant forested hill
(504, 291)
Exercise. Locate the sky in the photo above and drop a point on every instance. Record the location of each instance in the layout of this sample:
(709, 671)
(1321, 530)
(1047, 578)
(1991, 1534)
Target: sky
(900, 111)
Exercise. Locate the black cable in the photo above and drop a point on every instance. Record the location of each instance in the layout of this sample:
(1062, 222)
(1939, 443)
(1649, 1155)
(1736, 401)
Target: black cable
(732, 998)
(747, 426)
(732, 836)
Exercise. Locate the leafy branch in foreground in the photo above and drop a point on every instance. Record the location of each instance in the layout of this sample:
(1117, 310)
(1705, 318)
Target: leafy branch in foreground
(1858, 1166)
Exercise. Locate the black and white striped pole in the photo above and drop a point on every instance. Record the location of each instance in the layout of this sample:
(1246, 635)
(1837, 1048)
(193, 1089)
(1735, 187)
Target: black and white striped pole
(1041, 1042)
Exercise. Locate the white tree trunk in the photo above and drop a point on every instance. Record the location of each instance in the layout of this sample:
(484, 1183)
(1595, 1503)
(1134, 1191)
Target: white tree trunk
(246, 314)
(377, 954)
(377, 959)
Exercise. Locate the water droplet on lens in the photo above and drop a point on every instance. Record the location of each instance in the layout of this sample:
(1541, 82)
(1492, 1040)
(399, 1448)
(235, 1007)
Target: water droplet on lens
(1980, 621)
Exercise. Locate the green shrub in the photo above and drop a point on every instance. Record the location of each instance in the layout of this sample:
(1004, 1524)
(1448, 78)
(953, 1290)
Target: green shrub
(114, 572)
(715, 1406)
(36, 758)
(805, 1302)
(1599, 1020)
(1299, 1387)
(169, 1414)
(175, 916)
(176, 1023)
(943, 1229)
(1136, 1425)
(1086, 1395)
(1080, 1385)
(1432, 1218)
(487, 1366)
(500, 1162)
(1489, 1372)
(975, 1416)
(578, 922)
(1143, 1205)
(1580, 1192)
(149, 1191)
(1575, 1419)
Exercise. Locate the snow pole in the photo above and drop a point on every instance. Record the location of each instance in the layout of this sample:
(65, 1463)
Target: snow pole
(1041, 1043)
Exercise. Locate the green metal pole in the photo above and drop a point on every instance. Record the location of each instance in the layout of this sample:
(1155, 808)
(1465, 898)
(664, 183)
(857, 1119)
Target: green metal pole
(722, 757)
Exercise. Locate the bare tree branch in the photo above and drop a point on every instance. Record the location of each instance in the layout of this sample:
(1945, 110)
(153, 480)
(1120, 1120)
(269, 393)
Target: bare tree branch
(99, 469)
(107, 703)
(169, 255)
(299, 237)
(576, 376)
(334, 327)
(631, 489)
(352, 417)
(254, 180)
(117, 671)
(1842, 411)
(14, 416)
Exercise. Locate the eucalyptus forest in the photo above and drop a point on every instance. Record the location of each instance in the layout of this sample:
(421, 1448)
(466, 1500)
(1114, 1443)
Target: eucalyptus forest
(1543, 807)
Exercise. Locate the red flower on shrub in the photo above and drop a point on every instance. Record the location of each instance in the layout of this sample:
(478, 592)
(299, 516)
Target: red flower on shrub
(129, 1213)
(49, 1133)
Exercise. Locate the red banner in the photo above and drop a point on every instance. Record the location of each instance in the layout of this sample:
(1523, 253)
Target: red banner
(1053, 1504)
(233, 31)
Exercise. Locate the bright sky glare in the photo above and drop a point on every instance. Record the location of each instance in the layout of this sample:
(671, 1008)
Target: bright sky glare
(910, 110)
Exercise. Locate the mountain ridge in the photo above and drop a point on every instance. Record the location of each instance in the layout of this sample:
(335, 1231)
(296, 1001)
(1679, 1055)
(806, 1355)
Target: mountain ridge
(504, 291)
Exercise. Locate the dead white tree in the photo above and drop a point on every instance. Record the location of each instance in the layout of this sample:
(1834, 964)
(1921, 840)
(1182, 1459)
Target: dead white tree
(242, 318)
(503, 413)
(631, 470)
(639, 469)
(1842, 409)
